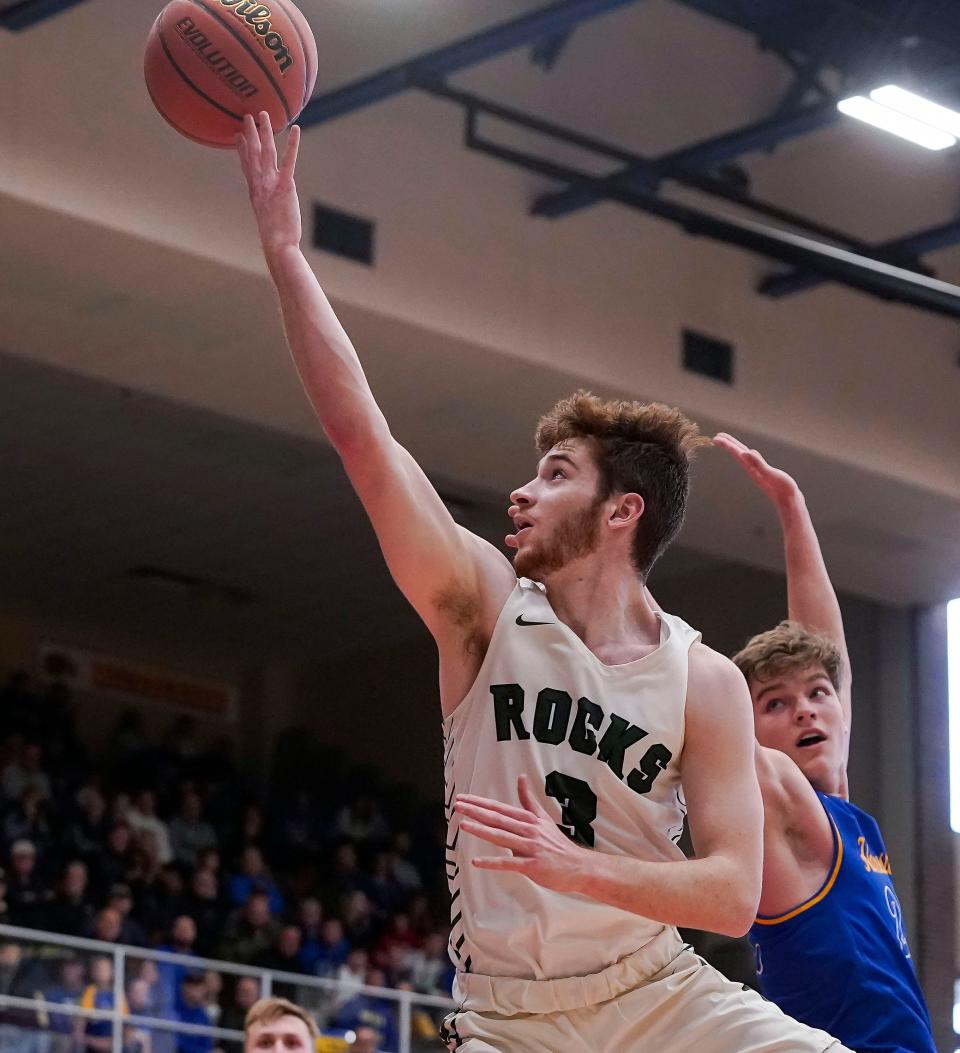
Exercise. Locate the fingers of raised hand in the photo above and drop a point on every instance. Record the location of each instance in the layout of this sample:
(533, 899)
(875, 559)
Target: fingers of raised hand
(511, 810)
(290, 153)
(496, 819)
(268, 146)
(495, 835)
(520, 864)
(527, 799)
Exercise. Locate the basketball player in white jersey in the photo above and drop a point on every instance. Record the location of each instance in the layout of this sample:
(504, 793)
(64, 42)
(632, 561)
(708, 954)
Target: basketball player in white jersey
(572, 710)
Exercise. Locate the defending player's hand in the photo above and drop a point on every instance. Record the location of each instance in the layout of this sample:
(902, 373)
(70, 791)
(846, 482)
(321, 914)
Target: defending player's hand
(273, 192)
(538, 848)
(776, 484)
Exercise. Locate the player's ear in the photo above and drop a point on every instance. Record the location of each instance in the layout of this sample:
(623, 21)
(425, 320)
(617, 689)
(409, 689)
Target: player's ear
(627, 510)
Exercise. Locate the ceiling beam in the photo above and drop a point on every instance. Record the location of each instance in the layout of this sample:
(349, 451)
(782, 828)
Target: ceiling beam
(929, 240)
(858, 272)
(27, 13)
(551, 21)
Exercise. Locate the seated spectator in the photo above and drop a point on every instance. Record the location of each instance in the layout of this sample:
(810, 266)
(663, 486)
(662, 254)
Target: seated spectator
(343, 875)
(107, 925)
(284, 955)
(71, 911)
(68, 990)
(4, 905)
(361, 820)
(191, 1009)
(430, 966)
(86, 835)
(332, 949)
(190, 833)
(309, 921)
(246, 991)
(120, 899)
(97, 1035)
(115, 863)
(159, 896)
(350, 976)
(138, 1039)
(203, 905)
(254, 875)
(26, 820)
(16, 978)
(142, 819)
(25, 772)
(28, 895)
(249, 931)
(369, 1010)
(385, 892)
(358, 917)
(249, 833)
(402, 865)
(183, 937)
(213, 995)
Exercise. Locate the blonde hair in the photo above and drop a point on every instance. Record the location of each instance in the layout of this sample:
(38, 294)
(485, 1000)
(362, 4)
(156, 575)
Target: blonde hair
(266, 1010)
(789, 647)
(643, 448)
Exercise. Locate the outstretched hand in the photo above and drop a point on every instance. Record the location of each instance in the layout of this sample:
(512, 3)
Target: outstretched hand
(273, 192)
(538, 848)
(776, 484)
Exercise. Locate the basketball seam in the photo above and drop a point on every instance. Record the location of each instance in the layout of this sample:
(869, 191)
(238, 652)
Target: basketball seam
(187, 80)
(303, 50)
(232, 30)
(176, 127)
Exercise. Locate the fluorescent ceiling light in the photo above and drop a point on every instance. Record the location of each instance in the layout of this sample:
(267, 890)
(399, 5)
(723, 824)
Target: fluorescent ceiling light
(918, 108)
(915, 131)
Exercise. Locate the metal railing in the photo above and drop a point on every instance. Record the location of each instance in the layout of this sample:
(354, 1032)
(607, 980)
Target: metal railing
(122, 955)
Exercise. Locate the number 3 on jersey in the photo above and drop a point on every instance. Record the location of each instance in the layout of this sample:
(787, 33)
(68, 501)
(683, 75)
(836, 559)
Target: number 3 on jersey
(578, 806)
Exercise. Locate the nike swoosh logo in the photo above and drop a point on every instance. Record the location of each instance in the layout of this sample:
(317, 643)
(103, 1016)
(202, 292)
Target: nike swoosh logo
(523, 621)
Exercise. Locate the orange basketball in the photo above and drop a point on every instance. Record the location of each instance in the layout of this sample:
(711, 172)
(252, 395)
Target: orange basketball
(208, 62)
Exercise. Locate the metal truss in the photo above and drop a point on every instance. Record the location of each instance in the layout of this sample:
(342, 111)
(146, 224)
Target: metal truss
(22, 14)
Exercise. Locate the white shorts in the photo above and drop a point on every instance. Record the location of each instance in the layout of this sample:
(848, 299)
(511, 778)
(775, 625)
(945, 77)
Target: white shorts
(663, 997)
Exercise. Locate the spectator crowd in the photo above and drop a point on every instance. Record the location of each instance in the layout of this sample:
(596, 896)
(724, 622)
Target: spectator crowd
(161, 843)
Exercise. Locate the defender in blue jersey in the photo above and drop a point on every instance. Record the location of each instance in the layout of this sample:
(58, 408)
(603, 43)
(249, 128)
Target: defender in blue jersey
(829, 937)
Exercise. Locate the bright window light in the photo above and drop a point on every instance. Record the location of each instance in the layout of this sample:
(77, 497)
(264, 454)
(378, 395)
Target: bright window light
(953, 688)
(919, 108)
(865, 109)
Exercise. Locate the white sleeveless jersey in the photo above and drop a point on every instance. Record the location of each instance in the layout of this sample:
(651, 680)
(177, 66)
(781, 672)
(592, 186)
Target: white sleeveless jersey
(600, 746)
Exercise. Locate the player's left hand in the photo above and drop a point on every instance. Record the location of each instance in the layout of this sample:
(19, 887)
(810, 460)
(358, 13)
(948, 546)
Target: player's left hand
(538, 847)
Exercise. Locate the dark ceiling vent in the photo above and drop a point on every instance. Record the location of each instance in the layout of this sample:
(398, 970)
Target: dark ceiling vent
(707, 356)
(342, 234)
(191, 585)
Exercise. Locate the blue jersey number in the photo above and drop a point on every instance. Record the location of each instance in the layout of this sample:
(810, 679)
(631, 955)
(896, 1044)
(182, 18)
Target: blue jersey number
(893, 905)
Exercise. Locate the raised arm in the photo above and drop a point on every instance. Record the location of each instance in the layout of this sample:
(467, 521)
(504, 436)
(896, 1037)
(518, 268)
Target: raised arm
(720, 889)
(442, 569)
(811, 599)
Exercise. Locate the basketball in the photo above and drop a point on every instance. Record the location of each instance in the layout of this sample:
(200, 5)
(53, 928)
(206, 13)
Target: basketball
(209, 62)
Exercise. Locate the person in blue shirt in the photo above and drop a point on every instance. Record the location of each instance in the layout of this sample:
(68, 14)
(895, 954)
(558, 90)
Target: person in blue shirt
(829, 937)
(192, 1010)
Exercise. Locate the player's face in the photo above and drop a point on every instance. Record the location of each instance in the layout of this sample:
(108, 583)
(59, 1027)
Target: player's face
(556, 516)
(798, 712)
(287, 1034)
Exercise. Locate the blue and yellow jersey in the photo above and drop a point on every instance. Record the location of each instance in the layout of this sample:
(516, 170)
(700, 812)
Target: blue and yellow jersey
(840, 961)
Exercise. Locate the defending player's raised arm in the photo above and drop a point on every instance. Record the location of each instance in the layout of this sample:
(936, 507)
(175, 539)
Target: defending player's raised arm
(811, 598)
(436, 563)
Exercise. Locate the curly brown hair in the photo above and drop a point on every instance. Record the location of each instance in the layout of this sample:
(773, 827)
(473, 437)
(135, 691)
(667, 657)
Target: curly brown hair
(642, 448)
(788, 648)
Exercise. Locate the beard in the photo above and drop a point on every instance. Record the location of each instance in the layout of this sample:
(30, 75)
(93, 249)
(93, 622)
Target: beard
(573, 538)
